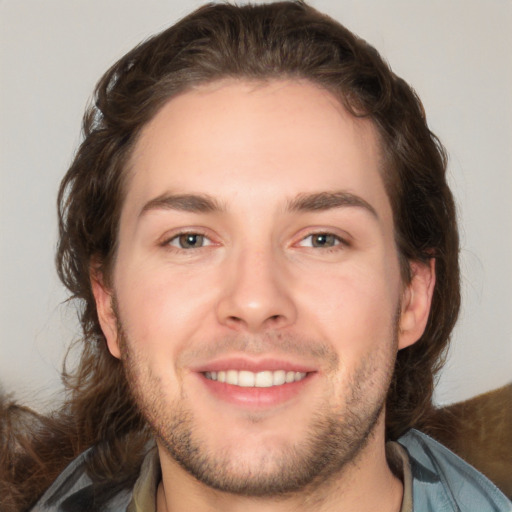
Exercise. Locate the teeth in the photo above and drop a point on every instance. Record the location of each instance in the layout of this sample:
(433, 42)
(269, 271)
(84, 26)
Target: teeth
(248, 379)
(232, 377)
(279, 377)
(263, 380)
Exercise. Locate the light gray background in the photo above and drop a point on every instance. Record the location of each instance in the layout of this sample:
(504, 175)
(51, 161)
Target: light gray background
(455, 53)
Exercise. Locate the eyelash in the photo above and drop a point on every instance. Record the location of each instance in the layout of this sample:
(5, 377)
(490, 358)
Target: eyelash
(337, 242)
(179, 236)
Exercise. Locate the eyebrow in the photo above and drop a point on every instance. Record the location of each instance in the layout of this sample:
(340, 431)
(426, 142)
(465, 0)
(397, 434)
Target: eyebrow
(321, 201)
(203, 203)
(196, 203)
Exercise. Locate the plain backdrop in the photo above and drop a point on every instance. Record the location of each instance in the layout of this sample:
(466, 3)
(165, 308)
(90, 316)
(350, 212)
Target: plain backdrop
(455, 53)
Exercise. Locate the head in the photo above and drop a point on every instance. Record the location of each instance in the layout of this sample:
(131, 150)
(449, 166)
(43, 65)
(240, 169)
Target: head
(289, 44)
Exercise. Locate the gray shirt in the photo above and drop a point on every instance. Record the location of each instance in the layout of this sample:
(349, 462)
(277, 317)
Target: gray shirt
(434, 478)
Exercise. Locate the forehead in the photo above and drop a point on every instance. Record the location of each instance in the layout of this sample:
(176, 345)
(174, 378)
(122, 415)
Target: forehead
(238, 139)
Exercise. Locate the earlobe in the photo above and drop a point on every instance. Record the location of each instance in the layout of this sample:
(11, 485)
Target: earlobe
(106, 314)
(416, 302)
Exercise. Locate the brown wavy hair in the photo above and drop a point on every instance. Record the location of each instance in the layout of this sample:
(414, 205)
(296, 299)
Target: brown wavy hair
(288, 40)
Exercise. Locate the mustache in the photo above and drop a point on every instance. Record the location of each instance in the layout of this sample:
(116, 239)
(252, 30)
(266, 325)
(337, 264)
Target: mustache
(275, 343)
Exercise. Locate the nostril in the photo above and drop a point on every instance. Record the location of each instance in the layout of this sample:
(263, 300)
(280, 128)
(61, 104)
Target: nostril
(274, 320)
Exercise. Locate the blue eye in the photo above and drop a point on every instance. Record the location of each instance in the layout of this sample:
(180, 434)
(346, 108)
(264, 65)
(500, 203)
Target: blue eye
(189, 241)
(320, 240)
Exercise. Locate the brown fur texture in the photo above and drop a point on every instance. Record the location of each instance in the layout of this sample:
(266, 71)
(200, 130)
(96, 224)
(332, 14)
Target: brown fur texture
(480, 431)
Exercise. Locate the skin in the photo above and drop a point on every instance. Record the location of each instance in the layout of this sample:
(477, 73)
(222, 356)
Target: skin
(262, 286)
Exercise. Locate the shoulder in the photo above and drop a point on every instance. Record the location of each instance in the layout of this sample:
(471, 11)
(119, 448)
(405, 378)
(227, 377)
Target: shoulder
(74, 491)
(442, 481)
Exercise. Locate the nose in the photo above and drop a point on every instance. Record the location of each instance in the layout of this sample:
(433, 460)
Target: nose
(256, 294)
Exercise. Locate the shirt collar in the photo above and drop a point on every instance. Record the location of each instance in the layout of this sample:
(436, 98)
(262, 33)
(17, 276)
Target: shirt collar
(145, 489)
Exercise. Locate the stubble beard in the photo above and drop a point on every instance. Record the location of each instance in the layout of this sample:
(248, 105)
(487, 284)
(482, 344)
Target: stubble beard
(336, 435)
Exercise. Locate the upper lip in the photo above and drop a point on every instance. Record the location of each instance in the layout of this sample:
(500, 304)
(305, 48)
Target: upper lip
(252, 365)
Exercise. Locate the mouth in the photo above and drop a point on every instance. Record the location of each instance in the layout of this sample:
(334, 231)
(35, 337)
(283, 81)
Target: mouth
(254, 383)
(262, 379)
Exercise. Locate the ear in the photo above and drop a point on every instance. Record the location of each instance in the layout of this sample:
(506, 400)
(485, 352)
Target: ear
(416, 302)
(104, 299)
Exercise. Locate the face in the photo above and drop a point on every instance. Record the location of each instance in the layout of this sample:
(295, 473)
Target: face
(259, 306)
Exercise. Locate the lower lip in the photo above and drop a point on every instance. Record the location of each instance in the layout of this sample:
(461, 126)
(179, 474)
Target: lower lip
(256, 397)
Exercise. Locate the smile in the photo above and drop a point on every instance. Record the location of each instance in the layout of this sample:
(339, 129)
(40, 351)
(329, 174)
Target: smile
(247, 379)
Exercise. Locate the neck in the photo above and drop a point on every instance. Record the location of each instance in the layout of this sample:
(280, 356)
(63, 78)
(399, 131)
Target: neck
(366, 484)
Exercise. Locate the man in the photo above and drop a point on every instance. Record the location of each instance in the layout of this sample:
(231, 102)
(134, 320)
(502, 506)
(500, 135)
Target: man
(259, 228)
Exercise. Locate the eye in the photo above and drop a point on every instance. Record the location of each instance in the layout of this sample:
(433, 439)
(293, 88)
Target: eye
(189, 241)
(322, 240)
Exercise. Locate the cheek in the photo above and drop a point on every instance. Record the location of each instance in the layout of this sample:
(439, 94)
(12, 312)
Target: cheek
(161, 308)
(354, 307)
